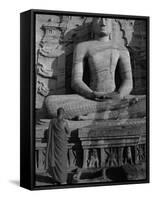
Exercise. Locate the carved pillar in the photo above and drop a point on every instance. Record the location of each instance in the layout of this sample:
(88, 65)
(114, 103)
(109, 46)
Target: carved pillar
(85, 157)
(103, 157)
(129, 158)
(136, 154)
(41, 159)
(120, 156)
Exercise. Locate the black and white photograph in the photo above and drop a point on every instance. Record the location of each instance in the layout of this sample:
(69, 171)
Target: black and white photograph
(90, 99)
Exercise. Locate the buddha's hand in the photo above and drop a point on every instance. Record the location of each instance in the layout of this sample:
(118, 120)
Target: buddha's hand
(100, 96)
(113, 95)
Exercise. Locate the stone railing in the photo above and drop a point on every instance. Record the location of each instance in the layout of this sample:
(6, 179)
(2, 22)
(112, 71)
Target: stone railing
(100, 144)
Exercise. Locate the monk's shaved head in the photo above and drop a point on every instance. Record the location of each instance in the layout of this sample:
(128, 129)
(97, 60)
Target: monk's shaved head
(60, 111)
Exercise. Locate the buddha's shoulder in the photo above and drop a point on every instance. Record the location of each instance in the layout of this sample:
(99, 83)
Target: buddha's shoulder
(84, 45)
(88, 45)
(118, 47)
(122, 50)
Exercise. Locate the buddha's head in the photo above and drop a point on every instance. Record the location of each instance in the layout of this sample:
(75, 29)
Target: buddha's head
(102, 26)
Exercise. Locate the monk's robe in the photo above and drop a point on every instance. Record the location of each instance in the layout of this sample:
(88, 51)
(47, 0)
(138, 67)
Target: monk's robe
(56, 156)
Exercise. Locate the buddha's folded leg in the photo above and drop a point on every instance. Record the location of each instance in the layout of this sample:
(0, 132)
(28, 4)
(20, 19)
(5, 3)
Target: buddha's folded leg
(78, 106)
(119, 114)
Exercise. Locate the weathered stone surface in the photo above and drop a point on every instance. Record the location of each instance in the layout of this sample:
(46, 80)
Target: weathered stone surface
(138, 55)
(73, 125)
(98, 148)
(51, 55)
(56, 36)
(64, 32)
(99, 145)
(75, 105)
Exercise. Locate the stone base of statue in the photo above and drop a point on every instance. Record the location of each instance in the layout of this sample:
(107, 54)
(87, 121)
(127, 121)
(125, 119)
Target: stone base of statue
(99, 150)
(107, 141)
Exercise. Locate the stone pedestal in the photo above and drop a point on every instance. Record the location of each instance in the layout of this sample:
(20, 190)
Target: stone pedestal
(104, 145)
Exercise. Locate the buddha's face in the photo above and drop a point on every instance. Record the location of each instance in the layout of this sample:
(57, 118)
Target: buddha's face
(102, 26)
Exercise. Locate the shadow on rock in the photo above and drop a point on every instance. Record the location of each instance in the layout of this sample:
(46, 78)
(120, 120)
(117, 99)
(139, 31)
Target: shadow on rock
(123, 173)
(45, 179)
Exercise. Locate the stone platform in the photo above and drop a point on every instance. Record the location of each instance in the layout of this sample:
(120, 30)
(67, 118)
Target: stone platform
(105, 145)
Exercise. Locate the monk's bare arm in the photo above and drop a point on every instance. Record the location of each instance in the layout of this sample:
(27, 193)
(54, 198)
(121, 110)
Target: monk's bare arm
(77, 72)
(126, 74)
(67, 129)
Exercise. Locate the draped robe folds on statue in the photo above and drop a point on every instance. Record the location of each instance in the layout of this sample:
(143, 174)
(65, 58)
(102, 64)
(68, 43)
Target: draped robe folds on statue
(56, 157)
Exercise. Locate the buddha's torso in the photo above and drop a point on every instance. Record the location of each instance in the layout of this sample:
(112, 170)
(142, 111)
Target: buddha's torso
(103, 59)
(102, 62)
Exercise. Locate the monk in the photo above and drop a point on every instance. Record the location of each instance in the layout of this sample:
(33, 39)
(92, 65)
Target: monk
(56, 156)
(104, 55)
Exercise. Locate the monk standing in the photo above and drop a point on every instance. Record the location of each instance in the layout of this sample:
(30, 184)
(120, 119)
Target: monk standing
(56, 157)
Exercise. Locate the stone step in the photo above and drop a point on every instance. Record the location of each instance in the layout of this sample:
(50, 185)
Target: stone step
(104, 124)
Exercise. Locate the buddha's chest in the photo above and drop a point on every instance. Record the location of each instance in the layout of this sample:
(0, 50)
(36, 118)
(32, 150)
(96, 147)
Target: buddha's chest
(103, 60)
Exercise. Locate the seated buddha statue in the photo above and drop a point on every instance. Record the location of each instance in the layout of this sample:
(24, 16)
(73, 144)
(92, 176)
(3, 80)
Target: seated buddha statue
(101, 95)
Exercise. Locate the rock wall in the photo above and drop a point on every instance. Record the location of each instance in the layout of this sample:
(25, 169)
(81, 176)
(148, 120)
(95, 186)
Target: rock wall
(138, 57)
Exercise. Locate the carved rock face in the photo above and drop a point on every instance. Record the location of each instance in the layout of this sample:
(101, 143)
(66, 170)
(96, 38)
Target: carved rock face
(56, 37)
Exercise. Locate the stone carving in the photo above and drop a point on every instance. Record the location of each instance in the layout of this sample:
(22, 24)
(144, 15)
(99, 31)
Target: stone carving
(109, 109)
(77, 30)
(140, 152)
(44, 72)
(93, 160)
(51, 57)
(111, 160)
(53, 34)
(103, 56)
(42, 88)
(127, 27)
(61, 33)
(113, 157)
(51, 53)
(40, 157)
(98, 147)
(128, 156)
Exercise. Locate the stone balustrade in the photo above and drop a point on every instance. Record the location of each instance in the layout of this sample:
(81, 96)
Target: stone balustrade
(98, 144)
